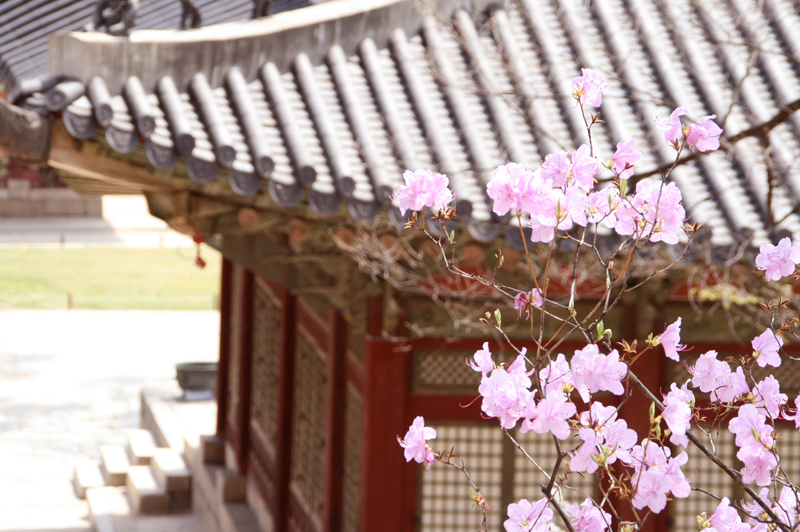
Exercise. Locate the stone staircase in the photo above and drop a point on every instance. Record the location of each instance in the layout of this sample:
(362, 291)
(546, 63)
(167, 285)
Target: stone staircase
(136, 478)
(168, 477)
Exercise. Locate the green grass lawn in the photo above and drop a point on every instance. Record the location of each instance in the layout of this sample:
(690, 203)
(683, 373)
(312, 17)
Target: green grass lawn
(108, 278)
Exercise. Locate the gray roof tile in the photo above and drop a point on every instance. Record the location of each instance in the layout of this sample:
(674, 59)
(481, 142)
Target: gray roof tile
(491, 87)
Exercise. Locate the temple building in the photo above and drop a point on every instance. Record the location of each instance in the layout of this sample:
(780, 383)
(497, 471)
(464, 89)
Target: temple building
(279, 140)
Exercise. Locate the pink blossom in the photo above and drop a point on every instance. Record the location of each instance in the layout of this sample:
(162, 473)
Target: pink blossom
(482, 360)
(423, 188)
(605, 438)
(655, 210)
(549, 415)
(755, 441)
(556, 168)
(735, 385)
(663, 210)
(415, 444)
(526, 517)
(748, 422)
(625, 159)
(601, 206)
(779, 261)
(577, 204)
(673, 126)
(588, 518)
(656, 475)
(705, 135)
(708, 373)
(587, 457)
(671, 340)
(556, 375)
(598, 415)
(786, 506)
(619, 439)
(678, 413)
(510, 188)
(584, 167)
(769, 397)
(522, 301)
(726, 519)
(715, 376)
(796, 416)
(594, 372)
(759, 461)
(588, 87)
(766, 347)
(548, 210)
(505, 394)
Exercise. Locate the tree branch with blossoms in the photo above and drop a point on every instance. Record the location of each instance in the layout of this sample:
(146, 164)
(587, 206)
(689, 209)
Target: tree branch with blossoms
(559, 202)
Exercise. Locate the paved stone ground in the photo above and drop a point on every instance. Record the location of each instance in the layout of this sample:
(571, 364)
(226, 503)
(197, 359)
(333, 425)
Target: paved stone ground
(69, 381)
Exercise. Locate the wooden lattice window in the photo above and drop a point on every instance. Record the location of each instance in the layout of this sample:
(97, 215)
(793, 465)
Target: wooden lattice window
(308, 432)
(352, 459)
(445, 504)
(265, 360)
(444, 371)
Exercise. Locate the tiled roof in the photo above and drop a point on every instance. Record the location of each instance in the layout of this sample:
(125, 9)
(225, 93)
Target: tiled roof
(477, 90)
(26, 25)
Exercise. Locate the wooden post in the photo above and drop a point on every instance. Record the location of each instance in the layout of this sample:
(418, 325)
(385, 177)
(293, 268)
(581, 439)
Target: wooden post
(245, 371)
(636, 410)
(388, 494)
(224, 344)
(283, 445)
(335, 425)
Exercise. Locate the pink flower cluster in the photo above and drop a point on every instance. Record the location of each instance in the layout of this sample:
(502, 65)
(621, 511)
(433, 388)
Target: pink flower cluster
(715, 377)
(582, 168)
(725, 519)
(656, 475)
(423, 188)
(526, 517)
(507, 395)
(778, 261)
(588, 517)
(415, 442)
(785, 509)
(588, 88)
(677, 413)
(699, 137)
(605, 438)
(755, 440)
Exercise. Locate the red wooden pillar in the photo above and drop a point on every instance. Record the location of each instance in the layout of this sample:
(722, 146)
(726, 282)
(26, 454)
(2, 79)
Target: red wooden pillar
(224, 344)
(335, 425)
(245, 362)
(636, 411)
(285, 397)
(388, 499)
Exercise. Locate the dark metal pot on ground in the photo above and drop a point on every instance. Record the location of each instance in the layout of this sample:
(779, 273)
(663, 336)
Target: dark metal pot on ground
(197, 376)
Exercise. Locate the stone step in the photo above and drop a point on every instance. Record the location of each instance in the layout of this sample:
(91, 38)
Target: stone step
(146, 494)
(106, 505)
(170, 470)
(86, 475)
(114, 464)
(141, 445)
(110, 511)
